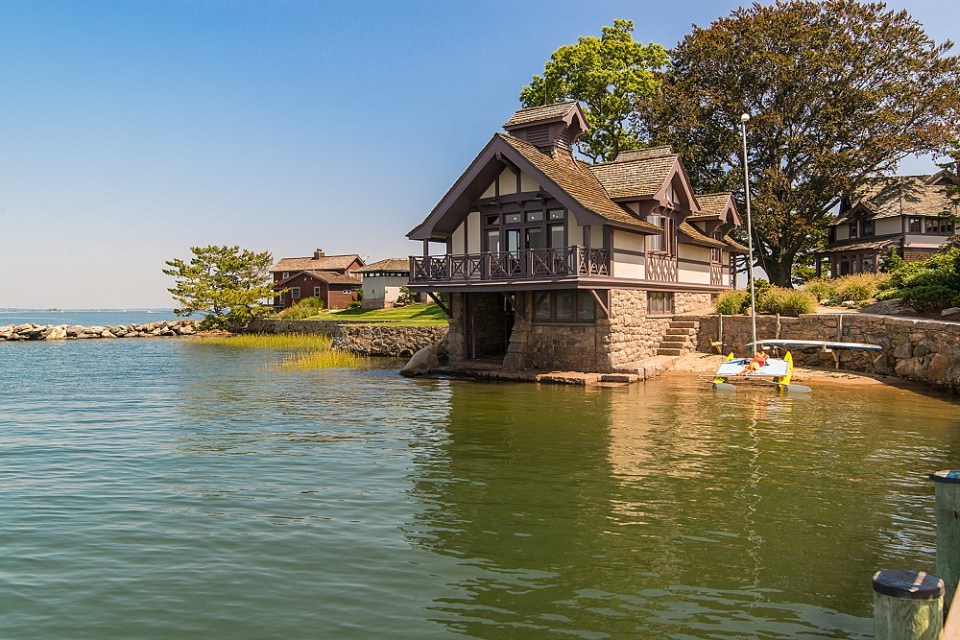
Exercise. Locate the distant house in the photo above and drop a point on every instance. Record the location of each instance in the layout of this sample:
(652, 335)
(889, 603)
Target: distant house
(329, 278)
(910, 214)
(382, 282)
(549, 262)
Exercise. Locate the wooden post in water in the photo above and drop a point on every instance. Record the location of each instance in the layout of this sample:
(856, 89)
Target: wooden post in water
(947, 492)
(907, 605)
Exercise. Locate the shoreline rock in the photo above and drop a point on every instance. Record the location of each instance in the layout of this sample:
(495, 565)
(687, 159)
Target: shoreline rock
(34, 332)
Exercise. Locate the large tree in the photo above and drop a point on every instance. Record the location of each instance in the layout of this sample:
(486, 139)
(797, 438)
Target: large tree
(608, 75)
(837, 90)
(228, 285)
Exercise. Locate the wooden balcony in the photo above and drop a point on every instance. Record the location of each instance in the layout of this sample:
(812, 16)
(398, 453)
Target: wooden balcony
(510, 265)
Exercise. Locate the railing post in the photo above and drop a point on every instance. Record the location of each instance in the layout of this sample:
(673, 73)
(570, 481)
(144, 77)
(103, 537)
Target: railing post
(907, 605)
(947, 492)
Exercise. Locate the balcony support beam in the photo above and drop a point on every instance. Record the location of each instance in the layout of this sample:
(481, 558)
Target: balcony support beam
(600, 302)
(440, 304)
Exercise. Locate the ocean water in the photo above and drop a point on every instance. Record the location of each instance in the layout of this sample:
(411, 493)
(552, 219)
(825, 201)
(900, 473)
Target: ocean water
(173, 488)
(85, 317)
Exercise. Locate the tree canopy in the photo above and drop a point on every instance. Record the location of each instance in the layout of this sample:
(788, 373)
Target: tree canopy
(837, 90)
(608, 75)
(226, 284)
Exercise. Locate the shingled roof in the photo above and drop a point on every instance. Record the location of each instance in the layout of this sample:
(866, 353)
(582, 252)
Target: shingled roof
(545, 113)
(890, 197)
(329, 277)
(712, 205)
(323, 263)
(638, 177)
(577, 180)
(388, 264)
(698, 238)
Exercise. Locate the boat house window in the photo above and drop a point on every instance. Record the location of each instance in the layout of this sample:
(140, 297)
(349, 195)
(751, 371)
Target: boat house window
(576, 307)
(659, 303)
(532, 229)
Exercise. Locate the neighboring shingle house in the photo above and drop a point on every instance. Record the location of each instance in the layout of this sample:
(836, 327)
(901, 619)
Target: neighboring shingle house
(550, 262)
(329, 278)
(382, 282)
(910, 214)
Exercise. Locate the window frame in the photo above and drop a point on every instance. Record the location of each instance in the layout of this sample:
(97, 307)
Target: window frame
(665, 304)
(580, 300)
(294, 293)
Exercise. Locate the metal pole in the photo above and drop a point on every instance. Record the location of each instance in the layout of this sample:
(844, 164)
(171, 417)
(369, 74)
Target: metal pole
(746, 187)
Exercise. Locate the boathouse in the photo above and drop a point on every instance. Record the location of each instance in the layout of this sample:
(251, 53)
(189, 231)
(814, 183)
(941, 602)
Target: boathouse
(549, 262)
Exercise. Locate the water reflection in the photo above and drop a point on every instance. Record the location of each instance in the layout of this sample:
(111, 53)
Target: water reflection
(665, 510)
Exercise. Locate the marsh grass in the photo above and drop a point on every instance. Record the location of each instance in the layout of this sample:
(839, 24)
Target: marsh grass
(330, 359)
(297, 341)
(307, 350)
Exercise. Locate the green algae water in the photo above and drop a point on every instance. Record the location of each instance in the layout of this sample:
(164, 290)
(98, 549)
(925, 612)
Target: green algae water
(172, 489)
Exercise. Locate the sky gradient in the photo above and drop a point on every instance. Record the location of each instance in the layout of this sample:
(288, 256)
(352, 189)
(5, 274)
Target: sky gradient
(131, 130)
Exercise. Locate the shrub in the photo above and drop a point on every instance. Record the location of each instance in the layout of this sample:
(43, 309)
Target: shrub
(786, 302)
(306, 308)
(858, 287)
(822, 288)
(733, 302)
(928, 285)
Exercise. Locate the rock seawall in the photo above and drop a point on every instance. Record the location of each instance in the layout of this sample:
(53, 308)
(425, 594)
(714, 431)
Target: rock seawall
(396, 341)
(924, 351)
(27, 331)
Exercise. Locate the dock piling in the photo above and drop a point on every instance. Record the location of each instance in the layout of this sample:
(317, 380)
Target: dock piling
(907, 605)
(947, 492)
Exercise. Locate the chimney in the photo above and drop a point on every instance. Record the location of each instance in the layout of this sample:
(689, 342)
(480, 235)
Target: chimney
(318, 254)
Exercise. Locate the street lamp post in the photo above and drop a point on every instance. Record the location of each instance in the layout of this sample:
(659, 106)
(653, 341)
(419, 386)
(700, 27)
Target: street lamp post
(744, 118)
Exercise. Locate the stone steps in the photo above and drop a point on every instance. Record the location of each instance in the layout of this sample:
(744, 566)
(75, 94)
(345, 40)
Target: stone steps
(679, 338)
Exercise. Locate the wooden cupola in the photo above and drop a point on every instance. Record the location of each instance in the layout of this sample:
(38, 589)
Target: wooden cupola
(550, 128)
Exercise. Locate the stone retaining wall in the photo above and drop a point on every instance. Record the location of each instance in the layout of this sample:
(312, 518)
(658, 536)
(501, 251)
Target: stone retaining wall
(925, 351)
(360, 337)
(20, 332)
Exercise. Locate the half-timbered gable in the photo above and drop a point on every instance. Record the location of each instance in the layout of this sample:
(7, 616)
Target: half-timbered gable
(553, 241)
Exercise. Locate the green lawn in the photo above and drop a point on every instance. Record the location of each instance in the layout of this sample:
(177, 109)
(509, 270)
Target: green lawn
(421, 315)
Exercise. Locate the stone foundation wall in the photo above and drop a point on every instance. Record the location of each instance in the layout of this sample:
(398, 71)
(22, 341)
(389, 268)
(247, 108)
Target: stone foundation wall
(926, 351)
(362, 338)
(631, 335)
(607, 345)
(686, 303)
(386, 340)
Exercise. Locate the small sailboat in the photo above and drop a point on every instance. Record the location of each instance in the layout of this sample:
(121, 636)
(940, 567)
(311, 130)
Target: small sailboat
(778, 371)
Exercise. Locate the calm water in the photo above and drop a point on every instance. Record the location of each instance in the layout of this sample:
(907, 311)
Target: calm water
(85, 317)
(172, 489)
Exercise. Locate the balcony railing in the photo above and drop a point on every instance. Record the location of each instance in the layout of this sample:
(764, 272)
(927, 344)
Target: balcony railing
(662, 268)
(510, 265)
(716, 274)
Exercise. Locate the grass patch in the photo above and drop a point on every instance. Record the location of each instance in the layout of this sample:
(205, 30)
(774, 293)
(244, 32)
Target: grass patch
(293, 341)
(332, 358)
(307, 350)
(419, 315)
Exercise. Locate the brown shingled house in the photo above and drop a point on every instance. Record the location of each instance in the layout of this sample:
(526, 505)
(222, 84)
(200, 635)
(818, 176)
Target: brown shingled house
(329, 278)
(910, 214)
(551, 263)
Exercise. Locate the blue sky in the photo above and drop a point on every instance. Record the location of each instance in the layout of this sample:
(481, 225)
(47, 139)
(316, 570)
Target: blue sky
(131, 130)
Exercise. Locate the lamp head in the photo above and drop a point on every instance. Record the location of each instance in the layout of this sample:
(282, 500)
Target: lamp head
(745, 118)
